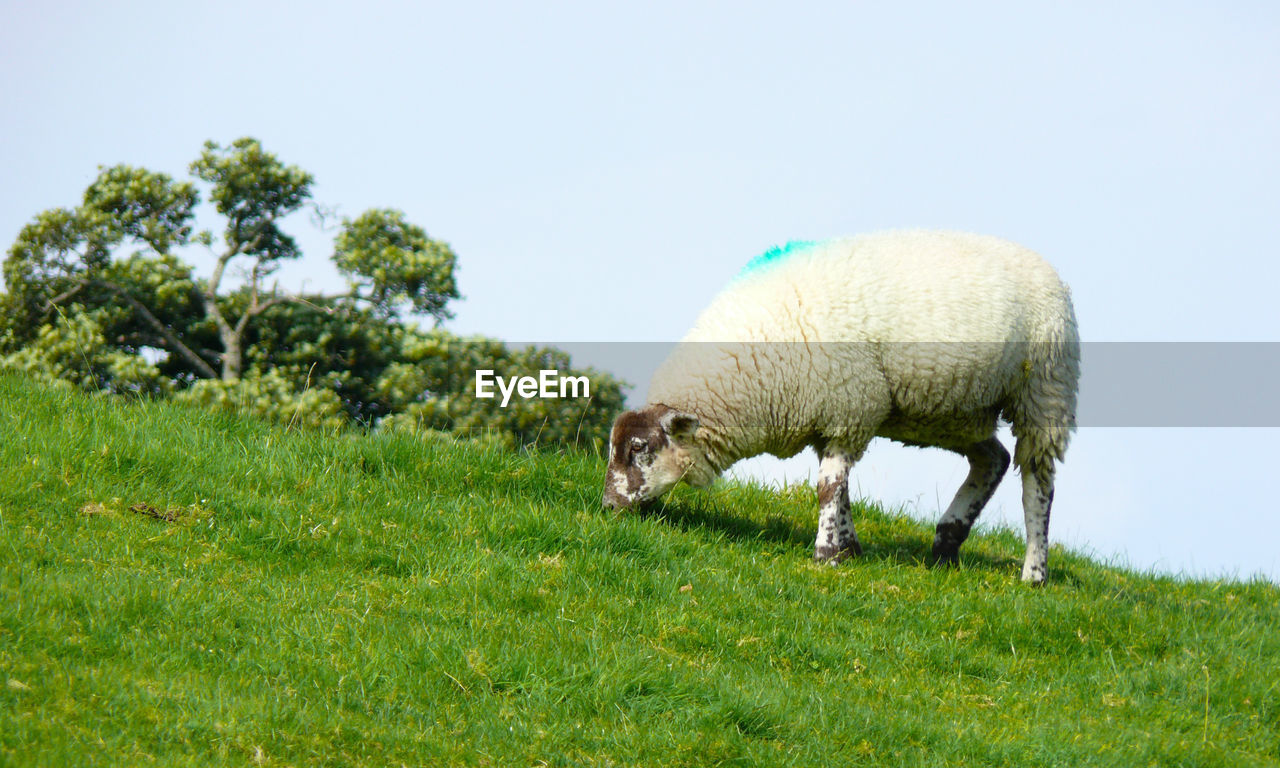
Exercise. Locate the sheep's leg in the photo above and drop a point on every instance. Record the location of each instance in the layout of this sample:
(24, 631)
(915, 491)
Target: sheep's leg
(1037, 498)
(837, 538)
(988, 461)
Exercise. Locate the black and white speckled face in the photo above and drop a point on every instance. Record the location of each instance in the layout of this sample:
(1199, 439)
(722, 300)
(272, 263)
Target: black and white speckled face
(650, 450)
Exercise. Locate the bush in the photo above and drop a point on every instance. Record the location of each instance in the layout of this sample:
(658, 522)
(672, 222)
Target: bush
(269, 396)
(74, 351)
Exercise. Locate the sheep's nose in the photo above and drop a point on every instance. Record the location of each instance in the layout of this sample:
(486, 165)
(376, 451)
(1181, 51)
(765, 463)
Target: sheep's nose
(613, 501)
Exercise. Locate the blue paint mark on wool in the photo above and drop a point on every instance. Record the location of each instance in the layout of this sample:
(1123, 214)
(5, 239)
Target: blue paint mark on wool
(776, 255)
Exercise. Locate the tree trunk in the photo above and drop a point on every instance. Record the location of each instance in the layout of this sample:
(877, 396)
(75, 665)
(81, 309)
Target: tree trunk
(232, 356)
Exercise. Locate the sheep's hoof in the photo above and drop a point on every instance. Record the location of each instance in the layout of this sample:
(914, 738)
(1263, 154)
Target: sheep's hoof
(946, 543)
(945, 558)
(1034, 575)
(946, 554)
(833, 556)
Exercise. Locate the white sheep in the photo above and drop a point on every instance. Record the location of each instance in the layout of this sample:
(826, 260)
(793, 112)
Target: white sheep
(927, 338)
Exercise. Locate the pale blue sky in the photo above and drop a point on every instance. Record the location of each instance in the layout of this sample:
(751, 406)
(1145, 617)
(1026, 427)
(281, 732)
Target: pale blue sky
(584, 159)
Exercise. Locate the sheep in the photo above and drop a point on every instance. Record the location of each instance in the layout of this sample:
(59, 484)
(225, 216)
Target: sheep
(926, 338)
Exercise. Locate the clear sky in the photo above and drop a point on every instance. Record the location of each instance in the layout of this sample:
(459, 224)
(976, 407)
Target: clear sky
(602, 170)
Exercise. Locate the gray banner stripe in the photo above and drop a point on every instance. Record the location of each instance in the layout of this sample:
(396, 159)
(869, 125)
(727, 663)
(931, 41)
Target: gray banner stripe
(1122, 384)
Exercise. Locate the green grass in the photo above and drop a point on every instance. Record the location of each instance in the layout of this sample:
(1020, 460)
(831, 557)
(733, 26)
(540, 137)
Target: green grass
(388, 600)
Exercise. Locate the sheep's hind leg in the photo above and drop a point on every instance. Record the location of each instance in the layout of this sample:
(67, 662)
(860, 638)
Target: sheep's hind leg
(837, 538)
(988, 461)
(1037, 499)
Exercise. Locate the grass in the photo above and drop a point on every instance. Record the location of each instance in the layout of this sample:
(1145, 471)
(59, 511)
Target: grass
(383, 600)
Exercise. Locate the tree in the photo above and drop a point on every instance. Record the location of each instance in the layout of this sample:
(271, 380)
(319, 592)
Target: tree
(67, 256)
(100, 297)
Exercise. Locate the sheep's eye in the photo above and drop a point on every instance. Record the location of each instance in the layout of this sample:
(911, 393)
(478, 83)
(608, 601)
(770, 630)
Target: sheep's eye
(639, 445)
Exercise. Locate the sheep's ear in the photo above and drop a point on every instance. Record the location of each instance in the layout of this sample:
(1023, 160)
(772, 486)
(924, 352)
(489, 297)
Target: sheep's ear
(679, 424)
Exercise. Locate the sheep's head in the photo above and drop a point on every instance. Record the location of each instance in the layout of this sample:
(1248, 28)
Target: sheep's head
(650, 450)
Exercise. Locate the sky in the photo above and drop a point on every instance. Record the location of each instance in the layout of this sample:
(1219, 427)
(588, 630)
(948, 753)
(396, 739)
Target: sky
(603, 170)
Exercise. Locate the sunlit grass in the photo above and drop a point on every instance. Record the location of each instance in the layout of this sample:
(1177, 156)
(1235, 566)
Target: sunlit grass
(347, 599)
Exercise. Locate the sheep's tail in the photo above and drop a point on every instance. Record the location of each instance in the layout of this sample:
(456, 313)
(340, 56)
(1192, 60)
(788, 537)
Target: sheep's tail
(1044, 408)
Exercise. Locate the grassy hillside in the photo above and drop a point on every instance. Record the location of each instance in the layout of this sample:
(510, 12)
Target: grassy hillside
(182, 588)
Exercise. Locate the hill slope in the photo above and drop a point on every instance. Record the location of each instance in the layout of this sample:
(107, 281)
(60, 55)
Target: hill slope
(182, 588)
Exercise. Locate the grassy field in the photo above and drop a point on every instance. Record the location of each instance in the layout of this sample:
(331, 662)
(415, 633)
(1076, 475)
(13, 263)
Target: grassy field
(183, 588)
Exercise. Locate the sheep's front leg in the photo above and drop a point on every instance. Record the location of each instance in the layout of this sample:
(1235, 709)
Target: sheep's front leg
(837, 539)
(988, 461)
